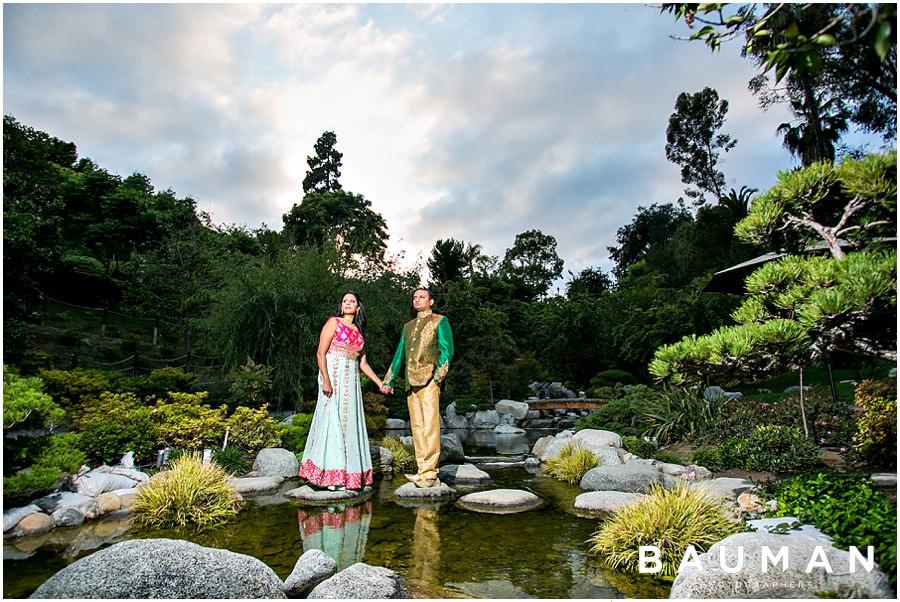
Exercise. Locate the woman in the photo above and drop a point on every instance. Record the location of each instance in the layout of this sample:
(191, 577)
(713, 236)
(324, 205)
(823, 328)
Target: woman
(337, 449)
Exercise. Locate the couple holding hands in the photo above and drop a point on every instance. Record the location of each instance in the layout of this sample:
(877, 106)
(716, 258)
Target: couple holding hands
(337, 448)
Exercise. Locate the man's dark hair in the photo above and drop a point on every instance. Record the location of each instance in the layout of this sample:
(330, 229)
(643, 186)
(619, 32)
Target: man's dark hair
(426, 289)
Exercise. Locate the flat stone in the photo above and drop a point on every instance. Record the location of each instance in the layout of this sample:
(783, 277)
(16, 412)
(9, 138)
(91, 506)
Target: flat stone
(790, 526)
(463, 473)
(409, 491)
(598, 502)
(637, 478)
(256, 484)
(500, 501)
(885, 480)
(313, 497)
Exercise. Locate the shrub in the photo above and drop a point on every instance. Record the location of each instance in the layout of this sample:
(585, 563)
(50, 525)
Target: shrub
(572, 462)
(639, 446)
(169, 379)
(670, 520)
(184, 421)
(779, 449)
(620, 414)
(117, 423)
(611, 378)
(250, 385)
(376, 412)
(730, 454)
(57, 456)
(70, 387)
(876, 438)
(190, 493)
(679, 414)
(35, 360)
(232, 460)
(404, 455)
(252, 429)
(26, 405)
(846, 507)
(293, 437)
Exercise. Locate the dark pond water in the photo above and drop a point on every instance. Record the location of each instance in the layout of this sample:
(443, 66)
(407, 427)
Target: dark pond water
(444, 551)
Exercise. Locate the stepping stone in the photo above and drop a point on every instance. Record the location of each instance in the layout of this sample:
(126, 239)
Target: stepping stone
(500, 501)
(409, 492)
(463, 474)
(256, 484)
(597, 502)
(725, 488)
(313, 497)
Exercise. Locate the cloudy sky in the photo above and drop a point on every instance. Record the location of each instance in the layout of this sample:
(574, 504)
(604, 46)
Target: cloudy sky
(469, 121)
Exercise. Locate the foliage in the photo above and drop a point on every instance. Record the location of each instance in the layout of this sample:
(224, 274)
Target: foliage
(612, 378)
(404, 455)
(591, 282)
(671, 520)
(693, 143)
(252, 429)
(250, 385)
(324, 168)
(532, 263)
(26, 405)
(572, 462)
(651, 228)
(190, 493)
(679, 414)
(621, 413)
(164, 380)
(778, 449)
(293, 436)
(877, 426)
(71, 387)
(185, 422)
(451, 259)
(34, 361)
(115, 424)
(846, 507)
(232, 459)
(54, 457)
(376, 412)
(639, 446)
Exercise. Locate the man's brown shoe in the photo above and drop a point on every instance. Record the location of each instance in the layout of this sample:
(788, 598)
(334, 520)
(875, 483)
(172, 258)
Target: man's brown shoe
(412, 478)
(425, 483)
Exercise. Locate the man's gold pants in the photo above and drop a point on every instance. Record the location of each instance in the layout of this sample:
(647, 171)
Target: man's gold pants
(425, 421)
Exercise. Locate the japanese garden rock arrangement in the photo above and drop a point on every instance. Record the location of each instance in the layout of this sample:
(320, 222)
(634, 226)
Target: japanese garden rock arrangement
(500, 501)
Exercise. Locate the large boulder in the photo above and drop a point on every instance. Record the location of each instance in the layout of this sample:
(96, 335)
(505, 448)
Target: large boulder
(361, 581)
(276, 462)
(12, 516)
(394, 423)
(87, 505)
(518, 409)
(605, 502)
(592, 438)
(550, 446)
(463, 474)
(311, 569)
(725, 488)
(451, 449)
(454, 420)
(163, 568)
(804, 568)
(637, 478)
(485, 419)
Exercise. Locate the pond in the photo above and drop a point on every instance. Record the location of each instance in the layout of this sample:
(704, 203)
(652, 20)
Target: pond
(442, 550)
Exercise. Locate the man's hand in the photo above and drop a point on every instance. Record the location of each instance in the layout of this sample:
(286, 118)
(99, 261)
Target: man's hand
(387, 390)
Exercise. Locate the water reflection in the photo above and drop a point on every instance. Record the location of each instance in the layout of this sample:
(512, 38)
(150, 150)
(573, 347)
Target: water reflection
(425, 560)
(340, 531)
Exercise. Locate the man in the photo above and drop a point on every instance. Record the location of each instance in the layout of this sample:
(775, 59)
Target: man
(426, 346)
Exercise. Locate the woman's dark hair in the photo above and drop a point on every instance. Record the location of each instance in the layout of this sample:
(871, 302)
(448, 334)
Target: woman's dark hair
(359, 320)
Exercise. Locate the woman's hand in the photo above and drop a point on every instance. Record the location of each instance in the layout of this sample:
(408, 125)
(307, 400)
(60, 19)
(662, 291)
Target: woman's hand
(326, 387)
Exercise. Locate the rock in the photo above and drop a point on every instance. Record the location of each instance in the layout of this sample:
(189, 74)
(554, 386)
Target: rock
(163, 568)
(458, 422)
(65, 499)
(885, 480)
(394, 423)
(409, 491)
(34, 523)
(312, 568)
(549, 447)
(709, 580)
(636, 478)
(500, 501)
(315, 497)
(276, 462)
(464, 474)
(451, 449)
(362, 581)
(605, 501)
(692, 472)
(675, 470)
(749, 502)
(598, 438)
(486, 419)
(255, 484)
(108, 502)
(96, 482)
(382, 459)
(519, 409)
(791, 526)
(726, 488)
(713, 393)
(126, 496)
(67, 517)
(124, 471)
(782, 593)
(796, 388)
(505, 429)
(12, 516)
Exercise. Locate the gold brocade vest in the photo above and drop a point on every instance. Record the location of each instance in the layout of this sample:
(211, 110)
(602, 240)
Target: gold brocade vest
(421, 348)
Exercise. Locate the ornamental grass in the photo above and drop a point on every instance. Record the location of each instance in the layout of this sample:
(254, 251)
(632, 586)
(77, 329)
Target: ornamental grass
(404, 455)
(189, 493)
(670, 520)
(572, 462)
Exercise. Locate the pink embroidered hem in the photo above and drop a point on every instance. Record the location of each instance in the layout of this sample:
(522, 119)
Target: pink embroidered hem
(338, 478)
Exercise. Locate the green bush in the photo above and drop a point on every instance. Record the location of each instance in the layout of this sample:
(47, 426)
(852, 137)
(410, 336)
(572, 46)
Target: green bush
(375, 411)
(168, 379)
(189, 493)
(232, 460)
(71, 387)
(25, 405)
(55, 457)
(846, 507)
(639, 446)
(671, 520)
(621, 413)
(610, 378)
(293, 437)
(404, 455)
(679, 414)
(572, 462)
(35, 360)
(117, 423)
(779, 449)
(252, 429)
(249, 386)
(876, 438)
(185, 422)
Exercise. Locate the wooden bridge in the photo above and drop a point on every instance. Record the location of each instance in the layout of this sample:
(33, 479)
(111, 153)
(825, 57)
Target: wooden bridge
(566, 403)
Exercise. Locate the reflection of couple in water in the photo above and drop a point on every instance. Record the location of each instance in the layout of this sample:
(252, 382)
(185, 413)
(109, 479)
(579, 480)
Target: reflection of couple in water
(337, 450)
